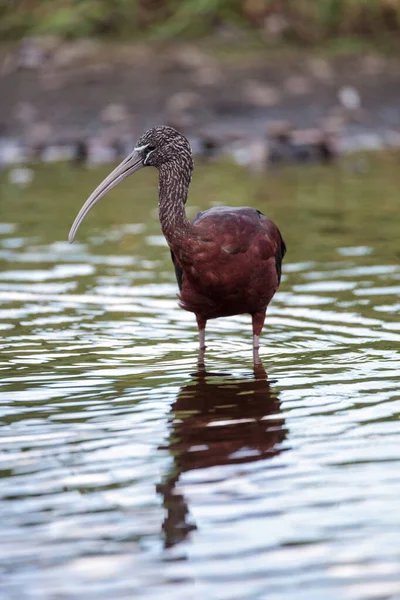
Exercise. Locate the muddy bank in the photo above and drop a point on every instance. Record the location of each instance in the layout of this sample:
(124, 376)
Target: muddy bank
(84, 89)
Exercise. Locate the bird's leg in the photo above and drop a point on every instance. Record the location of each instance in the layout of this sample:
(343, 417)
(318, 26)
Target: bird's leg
(256, 346)
(258, 322)
(201, 324)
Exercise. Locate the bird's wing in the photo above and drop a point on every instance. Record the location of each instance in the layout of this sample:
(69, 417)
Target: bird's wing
(280, 247)
(244, 232)
(279, 254)
(236, 230)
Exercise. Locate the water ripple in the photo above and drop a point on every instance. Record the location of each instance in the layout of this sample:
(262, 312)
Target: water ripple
(126, 472)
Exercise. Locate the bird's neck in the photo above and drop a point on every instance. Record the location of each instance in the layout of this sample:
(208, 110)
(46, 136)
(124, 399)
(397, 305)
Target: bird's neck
(172, 195)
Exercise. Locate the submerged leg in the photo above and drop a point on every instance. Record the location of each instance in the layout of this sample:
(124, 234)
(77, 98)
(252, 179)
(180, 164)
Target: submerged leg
(258, 322)
(201, 324)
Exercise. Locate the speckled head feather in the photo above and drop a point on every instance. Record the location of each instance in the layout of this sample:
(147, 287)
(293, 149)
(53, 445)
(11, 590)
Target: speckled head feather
(162, 145)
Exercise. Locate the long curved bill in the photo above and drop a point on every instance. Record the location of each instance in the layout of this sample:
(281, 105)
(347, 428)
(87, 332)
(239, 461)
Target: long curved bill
(130, 165)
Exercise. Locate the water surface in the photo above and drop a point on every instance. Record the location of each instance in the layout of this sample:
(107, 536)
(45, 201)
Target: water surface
(126, 472)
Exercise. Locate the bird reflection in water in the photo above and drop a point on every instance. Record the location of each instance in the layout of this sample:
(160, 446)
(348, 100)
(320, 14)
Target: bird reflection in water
(217, 420)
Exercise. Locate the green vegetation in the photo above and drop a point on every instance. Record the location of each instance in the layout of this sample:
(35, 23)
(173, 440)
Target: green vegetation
(304, 21)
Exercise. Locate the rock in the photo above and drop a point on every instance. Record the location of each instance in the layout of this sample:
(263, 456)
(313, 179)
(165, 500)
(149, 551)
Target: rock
(114, 113)
(36, 52)
(56, 152)
(373, 65)
(301, 146)
(297, 85)
(205, 70)
(321, 69)
(7, 64)
(261, 94)
(279, 129)
(25, 113)
(30, 54)
(71, 52)
(349, 98)
(138, 54)
(51, 80)
(252, 154)
(183, 109)
(207, 75)
(37, 137)
(39, 132)
(333, 124)
(190, 57)
(182, 101)
(392, 139)
(258, 156)
(350, 109)
(81, 153)
(275, 26)
(11, 152)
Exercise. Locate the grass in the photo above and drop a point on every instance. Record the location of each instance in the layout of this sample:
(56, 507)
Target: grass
(300, 21)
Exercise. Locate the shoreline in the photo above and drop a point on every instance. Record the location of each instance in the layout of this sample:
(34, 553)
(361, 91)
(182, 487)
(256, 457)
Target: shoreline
(86, 90)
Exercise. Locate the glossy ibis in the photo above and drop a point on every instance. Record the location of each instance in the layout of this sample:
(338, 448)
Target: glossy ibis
(227, 260)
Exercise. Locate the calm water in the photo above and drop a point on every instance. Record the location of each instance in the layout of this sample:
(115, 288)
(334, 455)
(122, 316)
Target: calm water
(128, 474)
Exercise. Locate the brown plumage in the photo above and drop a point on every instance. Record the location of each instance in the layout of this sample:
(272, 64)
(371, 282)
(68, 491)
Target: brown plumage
(227, 260)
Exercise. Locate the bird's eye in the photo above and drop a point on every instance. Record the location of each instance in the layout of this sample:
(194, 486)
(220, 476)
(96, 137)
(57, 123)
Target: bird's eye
(150, 148)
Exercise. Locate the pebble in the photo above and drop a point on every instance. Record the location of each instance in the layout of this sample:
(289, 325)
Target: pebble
(275, 26)
(349, 98)
(261, 94)
(25, 113)
(30, 55)
(321, 69)
(69, 53)
(297, 85)
(183, 109)
(114, 113)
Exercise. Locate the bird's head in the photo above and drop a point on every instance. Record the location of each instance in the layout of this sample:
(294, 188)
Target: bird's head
(162, 145)
(158, 147)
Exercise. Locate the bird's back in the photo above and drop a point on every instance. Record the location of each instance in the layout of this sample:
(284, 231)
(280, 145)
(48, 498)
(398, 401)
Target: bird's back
(236, 230)
(231, 263)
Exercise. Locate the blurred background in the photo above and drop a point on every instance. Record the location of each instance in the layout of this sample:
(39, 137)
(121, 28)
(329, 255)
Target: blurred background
(260, 80)
(125, 471)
